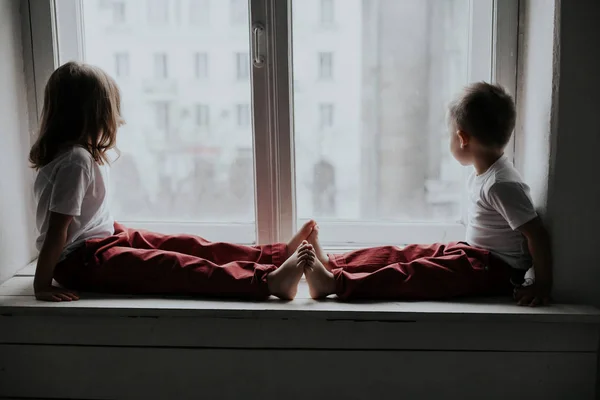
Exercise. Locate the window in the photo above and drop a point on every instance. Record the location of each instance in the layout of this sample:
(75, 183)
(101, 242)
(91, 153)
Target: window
(200, 12)
(323, 192)
(239, 11)
(326, 12)
(325, 115)
(121, 65)
(202, 115)
(158, 12)
(326, 66)
(118, 12)
(242, 66)
(161, 110)
(160, 66)
(242, 115)
(201, 65)
(366, 153)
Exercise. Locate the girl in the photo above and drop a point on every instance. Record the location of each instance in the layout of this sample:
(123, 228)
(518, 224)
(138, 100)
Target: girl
(84, 249)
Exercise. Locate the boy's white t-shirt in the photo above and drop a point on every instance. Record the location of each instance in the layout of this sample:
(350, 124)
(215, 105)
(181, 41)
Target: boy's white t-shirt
(74, 184)
(500, 203)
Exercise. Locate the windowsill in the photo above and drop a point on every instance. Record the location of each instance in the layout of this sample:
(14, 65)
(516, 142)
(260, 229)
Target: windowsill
(16, 298)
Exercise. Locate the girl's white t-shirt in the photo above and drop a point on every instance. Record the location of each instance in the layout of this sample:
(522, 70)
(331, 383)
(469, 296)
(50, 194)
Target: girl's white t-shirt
(74, 184)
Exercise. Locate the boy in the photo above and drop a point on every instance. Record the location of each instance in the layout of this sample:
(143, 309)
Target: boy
(504, 234)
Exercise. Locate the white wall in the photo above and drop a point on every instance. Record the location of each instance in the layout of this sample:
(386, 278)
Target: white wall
(16, 219)
(559, 106)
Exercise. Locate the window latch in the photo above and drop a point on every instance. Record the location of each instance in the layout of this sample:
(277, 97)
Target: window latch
(258, 45)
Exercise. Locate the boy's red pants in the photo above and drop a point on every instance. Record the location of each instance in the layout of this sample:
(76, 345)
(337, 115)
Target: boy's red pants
(141, 262)
(421, 272)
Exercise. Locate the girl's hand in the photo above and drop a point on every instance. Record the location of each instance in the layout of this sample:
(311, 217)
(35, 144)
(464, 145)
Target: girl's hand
(55, 294)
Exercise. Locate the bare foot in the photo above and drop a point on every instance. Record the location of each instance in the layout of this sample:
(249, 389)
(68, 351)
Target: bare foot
(283, 282)
(313, 239)
(301, 235)
(321, 282)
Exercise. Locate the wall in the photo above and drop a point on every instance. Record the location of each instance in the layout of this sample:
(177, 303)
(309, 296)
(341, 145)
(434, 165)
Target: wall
(16, 219)
(536, 72)
(559, 82)
(574, 188)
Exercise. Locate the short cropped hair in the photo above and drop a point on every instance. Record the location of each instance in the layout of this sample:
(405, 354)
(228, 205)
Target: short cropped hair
(486, 112)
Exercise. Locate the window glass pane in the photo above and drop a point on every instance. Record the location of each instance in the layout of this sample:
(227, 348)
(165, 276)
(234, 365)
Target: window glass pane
(371, 136)
(186, 151)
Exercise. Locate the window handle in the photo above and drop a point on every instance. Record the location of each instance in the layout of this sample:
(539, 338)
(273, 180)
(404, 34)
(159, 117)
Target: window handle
(258, 37)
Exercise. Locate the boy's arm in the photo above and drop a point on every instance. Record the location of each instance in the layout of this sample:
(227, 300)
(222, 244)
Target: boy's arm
(55, 241)
(538, 241)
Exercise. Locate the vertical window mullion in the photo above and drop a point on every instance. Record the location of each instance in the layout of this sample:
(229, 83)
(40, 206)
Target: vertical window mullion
(505, 43)
(273, 135)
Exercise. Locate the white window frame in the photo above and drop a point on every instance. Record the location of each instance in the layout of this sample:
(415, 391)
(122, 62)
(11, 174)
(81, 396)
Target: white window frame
(492, 57)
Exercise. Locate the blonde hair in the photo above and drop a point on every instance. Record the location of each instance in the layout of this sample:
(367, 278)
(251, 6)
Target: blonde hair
(82, 106)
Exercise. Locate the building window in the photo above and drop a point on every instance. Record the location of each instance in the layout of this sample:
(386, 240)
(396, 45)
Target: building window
(118, 12)
(242, 115)
(202, 115)
(161, 115)
(158, 12)
(323, 189)
(160, 66)
(121, 65)
(242, 66)
(326, 66)
(201, 65)
(326, 115)
(239, 11)
(327, 14)
(200, 12)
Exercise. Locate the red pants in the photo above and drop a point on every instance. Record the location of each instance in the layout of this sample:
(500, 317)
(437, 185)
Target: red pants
(416, 272)
(141, 262)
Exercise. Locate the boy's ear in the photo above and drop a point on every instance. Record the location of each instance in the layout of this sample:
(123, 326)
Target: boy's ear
(463, 138)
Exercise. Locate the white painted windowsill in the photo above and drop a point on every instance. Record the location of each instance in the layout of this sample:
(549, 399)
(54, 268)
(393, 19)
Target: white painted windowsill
(16, 298)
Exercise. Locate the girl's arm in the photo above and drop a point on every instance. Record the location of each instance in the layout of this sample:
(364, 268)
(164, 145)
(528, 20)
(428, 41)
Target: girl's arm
(54, 243)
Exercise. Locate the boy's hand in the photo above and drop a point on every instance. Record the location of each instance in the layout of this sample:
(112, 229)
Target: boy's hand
(533, 295)
(55, 294)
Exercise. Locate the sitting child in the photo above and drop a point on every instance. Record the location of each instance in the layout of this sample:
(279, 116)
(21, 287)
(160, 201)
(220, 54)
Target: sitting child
(505, 237)
(81, 246)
